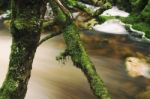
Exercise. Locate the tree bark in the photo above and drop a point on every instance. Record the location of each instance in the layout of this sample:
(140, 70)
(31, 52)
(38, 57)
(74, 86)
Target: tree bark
(25, 30)
(76, 50)
(81, 60)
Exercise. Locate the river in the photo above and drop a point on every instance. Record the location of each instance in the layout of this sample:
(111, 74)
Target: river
(51, 79)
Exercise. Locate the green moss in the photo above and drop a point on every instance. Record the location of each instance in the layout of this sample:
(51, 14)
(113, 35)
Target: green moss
(82, 61)
(71, 2)
(59, 15)
(138, 24)
(25, 29)
(76, 50)
(9, 87)
(25, 24)
(102, 19)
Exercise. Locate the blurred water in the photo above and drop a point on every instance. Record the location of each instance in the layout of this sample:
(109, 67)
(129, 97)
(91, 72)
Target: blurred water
(114, 11)
(53, 80)
(111, 27)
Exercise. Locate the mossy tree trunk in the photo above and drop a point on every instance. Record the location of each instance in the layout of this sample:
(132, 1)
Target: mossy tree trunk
(25, 30)
(80, 59)
(78, 54)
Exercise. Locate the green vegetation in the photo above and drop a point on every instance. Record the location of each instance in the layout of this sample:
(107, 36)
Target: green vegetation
(130, 5)
(82, 61)
(138, 24)
(139, 14)
(25, 30)
(145, 13)
(4, 4)
(77, 52)
(140, 21)
(26, 26)
(102, 19)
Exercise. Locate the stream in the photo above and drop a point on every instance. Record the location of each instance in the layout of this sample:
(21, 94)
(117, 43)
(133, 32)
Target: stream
(51, 79)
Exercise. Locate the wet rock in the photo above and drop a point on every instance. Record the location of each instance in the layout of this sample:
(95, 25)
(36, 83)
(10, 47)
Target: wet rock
(137, 67)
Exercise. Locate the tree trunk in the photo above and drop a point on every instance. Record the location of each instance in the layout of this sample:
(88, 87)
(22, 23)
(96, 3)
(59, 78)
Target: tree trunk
(78, 54)
(25, 30)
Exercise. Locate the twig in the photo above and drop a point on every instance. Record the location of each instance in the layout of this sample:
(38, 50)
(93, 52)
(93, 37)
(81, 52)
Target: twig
(48, 37)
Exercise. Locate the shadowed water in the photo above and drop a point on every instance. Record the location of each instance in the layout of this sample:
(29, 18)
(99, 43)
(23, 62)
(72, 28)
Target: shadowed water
(51, 79)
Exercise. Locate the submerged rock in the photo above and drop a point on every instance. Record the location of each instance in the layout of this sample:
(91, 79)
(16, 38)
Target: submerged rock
(137, 67)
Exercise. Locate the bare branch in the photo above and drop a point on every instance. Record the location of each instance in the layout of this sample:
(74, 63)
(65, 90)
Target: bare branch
(48, 37)
(65, 10)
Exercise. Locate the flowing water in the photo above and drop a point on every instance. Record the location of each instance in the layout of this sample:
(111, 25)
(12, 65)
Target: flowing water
(53, 80)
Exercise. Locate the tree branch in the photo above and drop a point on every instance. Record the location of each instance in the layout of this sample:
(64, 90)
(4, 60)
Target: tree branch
(81, 60)
(65, 10)
(48, 37)
(78, 54)
(82, 6)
